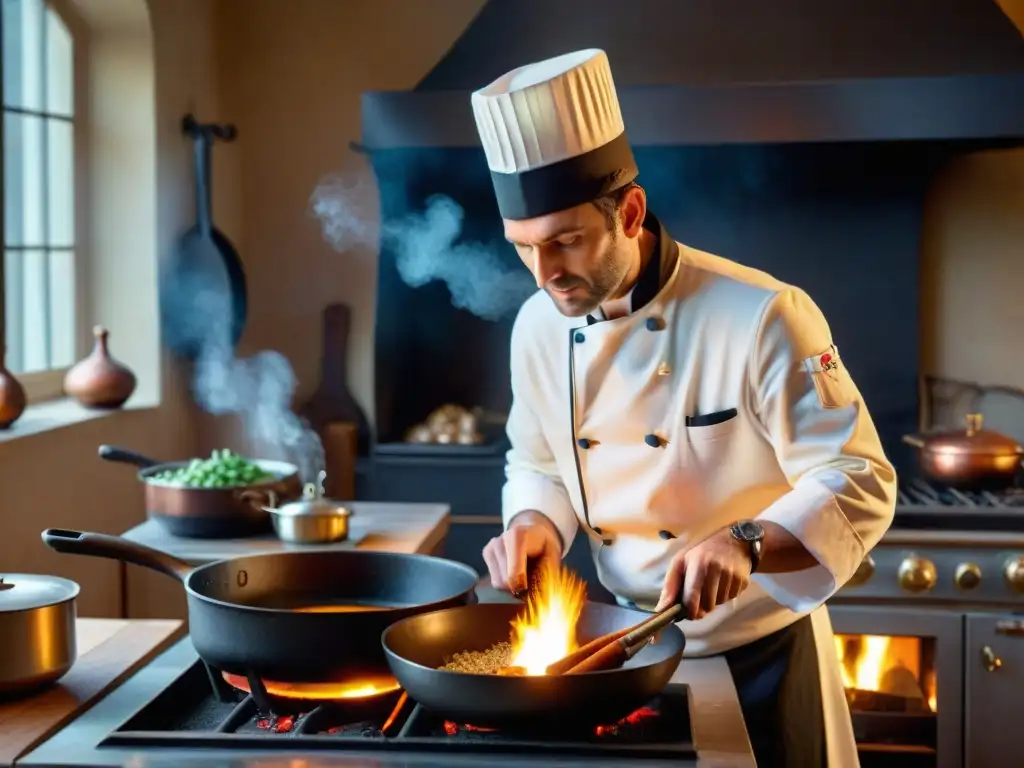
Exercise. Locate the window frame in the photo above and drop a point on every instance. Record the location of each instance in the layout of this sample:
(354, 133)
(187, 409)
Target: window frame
(48, 385)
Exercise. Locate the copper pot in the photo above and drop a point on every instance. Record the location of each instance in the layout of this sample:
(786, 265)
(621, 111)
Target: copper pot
(210, 513)
(37, 629)
(969, 457)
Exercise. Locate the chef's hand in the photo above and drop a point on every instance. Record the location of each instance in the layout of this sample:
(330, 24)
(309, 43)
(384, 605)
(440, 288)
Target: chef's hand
(709, 573)
(530, 537)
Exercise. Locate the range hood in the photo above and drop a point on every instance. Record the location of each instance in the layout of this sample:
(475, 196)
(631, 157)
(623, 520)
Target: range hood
(700, 72)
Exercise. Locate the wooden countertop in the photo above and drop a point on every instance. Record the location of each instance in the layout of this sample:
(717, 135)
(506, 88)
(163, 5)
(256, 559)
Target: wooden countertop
(109, 650)
(376, 526)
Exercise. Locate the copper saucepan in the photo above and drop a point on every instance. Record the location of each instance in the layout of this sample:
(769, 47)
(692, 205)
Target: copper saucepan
(968, 457)
(210, 513)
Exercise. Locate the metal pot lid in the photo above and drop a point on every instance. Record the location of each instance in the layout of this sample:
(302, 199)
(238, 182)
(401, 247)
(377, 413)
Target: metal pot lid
(313, 502)
(318, 506)
(973, 440)
(26, 591)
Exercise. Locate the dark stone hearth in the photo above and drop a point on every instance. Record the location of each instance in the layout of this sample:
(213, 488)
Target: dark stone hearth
(840, 220)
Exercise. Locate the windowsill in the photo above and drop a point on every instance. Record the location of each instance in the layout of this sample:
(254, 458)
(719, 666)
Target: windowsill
(59, 414)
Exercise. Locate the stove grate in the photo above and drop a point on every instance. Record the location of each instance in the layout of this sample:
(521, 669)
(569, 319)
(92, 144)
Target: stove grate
(922, 493)
(197, 711)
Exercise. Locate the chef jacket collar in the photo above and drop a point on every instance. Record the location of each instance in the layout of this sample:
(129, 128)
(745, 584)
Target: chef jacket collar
(655, 273)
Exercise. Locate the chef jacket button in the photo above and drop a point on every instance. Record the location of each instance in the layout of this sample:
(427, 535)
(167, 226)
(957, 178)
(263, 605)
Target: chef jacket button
(653, 324)
(653, 440)
(604, 539)
(578, 337)
(666, 535)
(583, 443)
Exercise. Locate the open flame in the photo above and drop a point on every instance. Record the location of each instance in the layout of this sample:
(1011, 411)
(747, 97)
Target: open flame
(546, 629)
(363, 688)
(885, 664)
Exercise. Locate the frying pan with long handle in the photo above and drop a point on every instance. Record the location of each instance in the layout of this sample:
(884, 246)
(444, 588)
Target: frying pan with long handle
(310, 616)
(203, 299)
(417, 646)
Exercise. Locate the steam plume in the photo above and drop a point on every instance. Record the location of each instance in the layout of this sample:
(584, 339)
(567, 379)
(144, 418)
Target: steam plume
(426, 249)
(257, 389)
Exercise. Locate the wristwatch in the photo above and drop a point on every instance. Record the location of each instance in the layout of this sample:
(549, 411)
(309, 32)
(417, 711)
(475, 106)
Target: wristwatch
(752, 534)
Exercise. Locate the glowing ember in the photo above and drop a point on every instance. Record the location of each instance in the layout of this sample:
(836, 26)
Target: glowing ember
(363, 688)
(642, 714)
(546, 630)
(281, 724)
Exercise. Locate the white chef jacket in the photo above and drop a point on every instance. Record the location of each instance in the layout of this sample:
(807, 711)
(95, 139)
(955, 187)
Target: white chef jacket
(605, 436)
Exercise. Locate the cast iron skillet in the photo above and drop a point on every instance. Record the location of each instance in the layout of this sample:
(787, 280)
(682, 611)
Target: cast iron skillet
(417, 646)
(242, 615)
(203, 295)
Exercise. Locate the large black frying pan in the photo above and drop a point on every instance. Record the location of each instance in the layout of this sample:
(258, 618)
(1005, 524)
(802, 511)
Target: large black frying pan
(203, 300)
(417, 646)
(244, 615)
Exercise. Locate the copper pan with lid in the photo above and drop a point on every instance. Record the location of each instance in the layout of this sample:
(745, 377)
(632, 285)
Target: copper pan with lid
(973, 456)
(37, 631)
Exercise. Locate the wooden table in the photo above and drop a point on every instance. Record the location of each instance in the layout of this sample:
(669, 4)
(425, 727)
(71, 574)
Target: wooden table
(375, 526)
(109, 650)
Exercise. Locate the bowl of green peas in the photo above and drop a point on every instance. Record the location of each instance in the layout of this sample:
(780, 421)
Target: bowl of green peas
(222, 496)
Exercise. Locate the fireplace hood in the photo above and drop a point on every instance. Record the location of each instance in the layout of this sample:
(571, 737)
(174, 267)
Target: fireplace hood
(705, 72)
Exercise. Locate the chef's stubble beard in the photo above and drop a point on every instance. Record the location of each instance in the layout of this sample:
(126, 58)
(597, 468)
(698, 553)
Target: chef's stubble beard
(601, 284)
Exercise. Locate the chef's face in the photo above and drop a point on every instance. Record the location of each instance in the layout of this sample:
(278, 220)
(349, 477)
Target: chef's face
(583, 256)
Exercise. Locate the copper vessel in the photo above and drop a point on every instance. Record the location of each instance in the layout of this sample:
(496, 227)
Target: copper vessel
(970, 456)
(100, 381)
(12, 395)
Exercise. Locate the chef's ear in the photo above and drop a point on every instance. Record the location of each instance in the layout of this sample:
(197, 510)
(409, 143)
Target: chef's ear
(633, 210)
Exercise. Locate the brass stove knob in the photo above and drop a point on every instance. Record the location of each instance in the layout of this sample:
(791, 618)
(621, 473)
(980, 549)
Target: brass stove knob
(1013, 572)
(864, 571)
(917, 574)
(967, 576)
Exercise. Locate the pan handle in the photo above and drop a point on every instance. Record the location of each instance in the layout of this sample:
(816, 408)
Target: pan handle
(262, 500)
(122, 456)
(115, 548)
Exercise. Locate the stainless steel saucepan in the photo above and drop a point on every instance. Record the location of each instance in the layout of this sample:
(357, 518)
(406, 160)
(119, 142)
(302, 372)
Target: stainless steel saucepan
(310, 520)
(37, 631)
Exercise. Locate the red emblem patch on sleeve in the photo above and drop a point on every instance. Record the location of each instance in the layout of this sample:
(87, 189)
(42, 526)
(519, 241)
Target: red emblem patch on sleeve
(828, 363)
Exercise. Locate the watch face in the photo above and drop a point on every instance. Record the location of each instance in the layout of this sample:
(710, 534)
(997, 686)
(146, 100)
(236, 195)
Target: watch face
(748, 530)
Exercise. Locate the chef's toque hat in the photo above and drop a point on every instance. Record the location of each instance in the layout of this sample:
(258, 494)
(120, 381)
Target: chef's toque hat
(553, 135)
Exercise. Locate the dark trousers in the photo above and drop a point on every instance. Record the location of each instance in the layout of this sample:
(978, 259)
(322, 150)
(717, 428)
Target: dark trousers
(779, 689)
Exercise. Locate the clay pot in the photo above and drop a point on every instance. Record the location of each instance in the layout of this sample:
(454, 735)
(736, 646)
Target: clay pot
(99, 381)
(12, 395)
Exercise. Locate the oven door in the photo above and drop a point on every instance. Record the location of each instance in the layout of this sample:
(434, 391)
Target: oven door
(995, 688)
(902, 669)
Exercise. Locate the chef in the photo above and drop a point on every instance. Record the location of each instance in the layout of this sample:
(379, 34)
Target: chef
(692, 417)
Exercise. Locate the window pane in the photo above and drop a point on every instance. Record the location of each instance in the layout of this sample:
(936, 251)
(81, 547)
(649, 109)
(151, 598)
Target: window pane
(31, 277)
(12, 309)
(61, 187)
(60, 73)
(62, 309)
(23, 53)
(23, 180)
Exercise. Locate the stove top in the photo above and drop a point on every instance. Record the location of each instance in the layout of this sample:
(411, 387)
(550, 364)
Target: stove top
(176, 712)
(927, 505)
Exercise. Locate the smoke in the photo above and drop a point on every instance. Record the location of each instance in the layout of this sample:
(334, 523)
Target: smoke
(257, 389)
(426, 249)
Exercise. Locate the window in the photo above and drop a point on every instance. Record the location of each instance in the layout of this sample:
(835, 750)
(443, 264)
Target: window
(39, 307)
